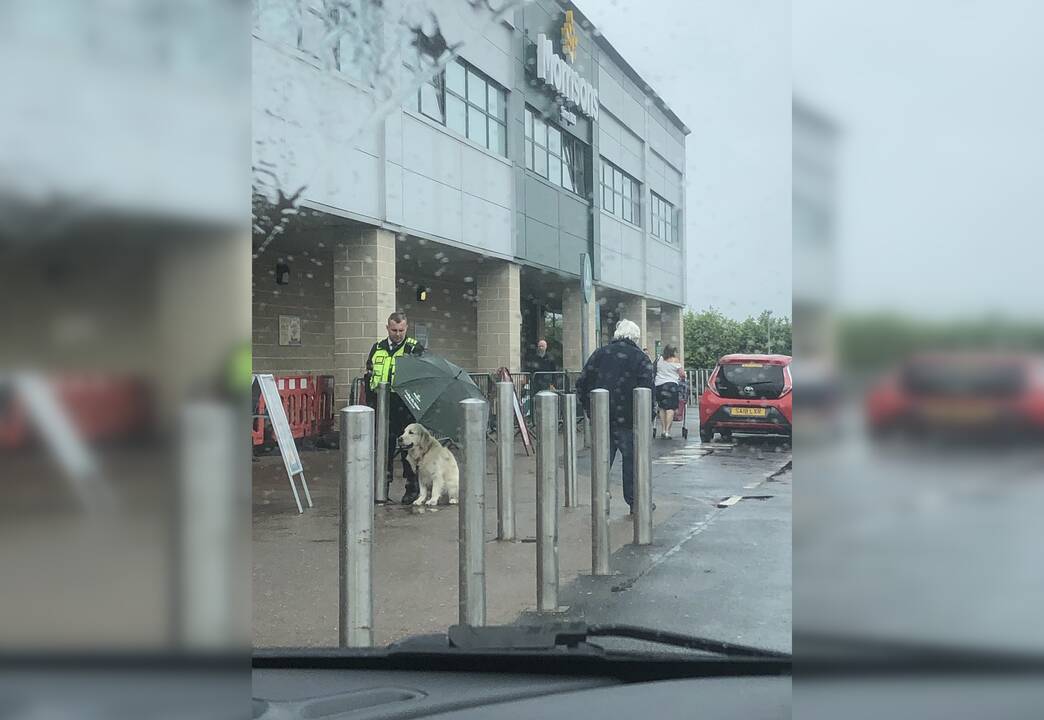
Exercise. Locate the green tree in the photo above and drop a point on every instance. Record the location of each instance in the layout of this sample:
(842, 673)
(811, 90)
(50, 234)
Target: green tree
(874, 341)
(709, 334)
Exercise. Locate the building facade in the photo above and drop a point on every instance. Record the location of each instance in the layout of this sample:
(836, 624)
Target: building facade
(468, 204)
(815, 149)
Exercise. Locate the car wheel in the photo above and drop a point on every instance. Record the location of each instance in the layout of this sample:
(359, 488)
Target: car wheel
(706, 434)
(726, 434)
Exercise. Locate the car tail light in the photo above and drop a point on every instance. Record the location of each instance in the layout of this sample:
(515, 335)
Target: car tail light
(788, 383)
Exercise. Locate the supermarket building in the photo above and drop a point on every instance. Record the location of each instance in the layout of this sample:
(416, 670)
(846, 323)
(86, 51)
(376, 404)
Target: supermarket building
(469, 206)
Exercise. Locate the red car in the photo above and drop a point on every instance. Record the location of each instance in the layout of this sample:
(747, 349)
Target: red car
(969, 393)
(749, 394)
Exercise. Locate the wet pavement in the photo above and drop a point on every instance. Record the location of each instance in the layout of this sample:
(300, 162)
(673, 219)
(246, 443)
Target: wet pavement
(919, 539)
(717, 572)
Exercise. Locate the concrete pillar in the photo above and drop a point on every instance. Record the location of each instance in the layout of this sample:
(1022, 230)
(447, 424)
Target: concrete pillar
(539, 321)
(572, 307)
(633, 309)
(672, 327)
(499, 316)
(652, 328)
(364, 297)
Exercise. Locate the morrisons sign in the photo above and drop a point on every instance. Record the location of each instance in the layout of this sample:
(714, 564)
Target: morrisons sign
(566, 81)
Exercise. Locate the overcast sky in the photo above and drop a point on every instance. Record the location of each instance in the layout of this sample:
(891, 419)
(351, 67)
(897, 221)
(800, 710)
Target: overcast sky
(942, 160)
(724, 67)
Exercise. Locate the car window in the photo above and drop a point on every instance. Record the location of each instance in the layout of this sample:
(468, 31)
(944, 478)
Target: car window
(750, 379)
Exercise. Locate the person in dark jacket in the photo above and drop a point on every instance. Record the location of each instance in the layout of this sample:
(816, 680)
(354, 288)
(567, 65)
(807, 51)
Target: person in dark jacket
(619, 367)
(541, 365)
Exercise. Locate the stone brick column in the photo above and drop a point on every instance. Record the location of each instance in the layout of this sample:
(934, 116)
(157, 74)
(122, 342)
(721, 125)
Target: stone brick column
(633, 309)
(364, 297)
(572, 343)
(652, 328)
(672, 327)
(499, 316)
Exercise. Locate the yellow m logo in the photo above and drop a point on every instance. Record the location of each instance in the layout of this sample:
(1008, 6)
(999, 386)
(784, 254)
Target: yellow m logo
(569, 38)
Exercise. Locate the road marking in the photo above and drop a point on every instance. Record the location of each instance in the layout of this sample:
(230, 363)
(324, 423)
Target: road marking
(730, 501)
(682, 456)
(660, 558)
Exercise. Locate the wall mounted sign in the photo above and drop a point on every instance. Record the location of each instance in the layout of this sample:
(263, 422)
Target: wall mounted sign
(555, 71)
(569, 37)
(289, 330)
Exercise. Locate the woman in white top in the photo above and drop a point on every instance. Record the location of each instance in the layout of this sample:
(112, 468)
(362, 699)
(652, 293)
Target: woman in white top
(669, 373)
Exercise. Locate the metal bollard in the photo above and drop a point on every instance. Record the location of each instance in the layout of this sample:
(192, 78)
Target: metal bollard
(210, 517)
(599, 482)
(471, 596)
(355, 627)
(380, 474)
(642, 466)
(569, 449)
(505, 461)
(547, 501)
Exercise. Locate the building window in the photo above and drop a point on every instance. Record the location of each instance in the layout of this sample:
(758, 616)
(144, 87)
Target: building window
(555, 155)
(664, 220)
(621, 194)
(469, 103)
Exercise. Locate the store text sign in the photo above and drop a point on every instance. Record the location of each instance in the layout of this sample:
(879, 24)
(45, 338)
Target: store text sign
(566, 81)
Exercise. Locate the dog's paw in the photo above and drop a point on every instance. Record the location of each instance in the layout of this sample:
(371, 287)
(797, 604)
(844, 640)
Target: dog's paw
(419, 501)
(453, 501)
(432, 503)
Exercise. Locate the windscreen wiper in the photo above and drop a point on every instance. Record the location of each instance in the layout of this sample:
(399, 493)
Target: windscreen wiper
(576, 634)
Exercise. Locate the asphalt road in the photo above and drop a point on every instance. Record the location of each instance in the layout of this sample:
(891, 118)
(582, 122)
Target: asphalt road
(721, 573)
(919, 541)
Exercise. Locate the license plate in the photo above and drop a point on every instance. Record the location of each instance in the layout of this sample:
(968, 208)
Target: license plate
(748, 412)
(958, 413)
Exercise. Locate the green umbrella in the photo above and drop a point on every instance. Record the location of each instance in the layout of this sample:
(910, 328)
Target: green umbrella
(432, 388)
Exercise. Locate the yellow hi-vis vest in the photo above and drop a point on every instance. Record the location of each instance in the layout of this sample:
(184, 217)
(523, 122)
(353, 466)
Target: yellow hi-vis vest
(384, 363)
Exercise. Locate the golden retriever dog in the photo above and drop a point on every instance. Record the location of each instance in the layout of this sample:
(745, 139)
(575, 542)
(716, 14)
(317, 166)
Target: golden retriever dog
(435, 466)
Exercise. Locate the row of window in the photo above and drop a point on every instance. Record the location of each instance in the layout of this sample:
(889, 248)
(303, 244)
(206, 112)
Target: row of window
(556, 155)
(467, 102)
(664, 223)
(621, 194)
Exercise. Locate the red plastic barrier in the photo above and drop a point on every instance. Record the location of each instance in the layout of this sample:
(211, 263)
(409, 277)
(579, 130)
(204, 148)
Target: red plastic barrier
(100, 408)
(308, 403)
(297, 392)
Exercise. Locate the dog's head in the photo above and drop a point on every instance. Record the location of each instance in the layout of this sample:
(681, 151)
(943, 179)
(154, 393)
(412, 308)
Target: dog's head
(416, 437)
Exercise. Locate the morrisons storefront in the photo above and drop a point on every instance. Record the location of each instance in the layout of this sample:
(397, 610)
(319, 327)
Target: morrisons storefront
(470, 205)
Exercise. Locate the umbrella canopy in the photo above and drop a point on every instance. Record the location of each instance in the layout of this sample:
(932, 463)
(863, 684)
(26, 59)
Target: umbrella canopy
(432, 388)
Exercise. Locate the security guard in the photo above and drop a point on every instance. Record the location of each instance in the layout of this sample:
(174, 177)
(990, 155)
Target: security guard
(380, 367)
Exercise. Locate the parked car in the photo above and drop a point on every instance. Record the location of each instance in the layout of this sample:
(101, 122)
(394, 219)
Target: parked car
(960, 392)
(750, 394)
